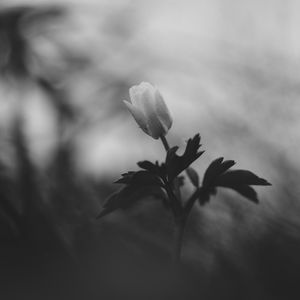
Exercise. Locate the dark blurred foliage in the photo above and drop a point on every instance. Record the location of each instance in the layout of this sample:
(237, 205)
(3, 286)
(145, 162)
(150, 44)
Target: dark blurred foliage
(14, 45)
(52, 246)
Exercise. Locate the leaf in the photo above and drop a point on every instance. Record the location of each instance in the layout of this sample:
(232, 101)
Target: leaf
(246, 191)
(128, 196)
(193, 176)
(240, 177)
(215, 169)
(218, 175)
(147, 165)
(156, 169)
(204, 194)
(175, 164)
(126, 178)
(138, 185)
(140, 178)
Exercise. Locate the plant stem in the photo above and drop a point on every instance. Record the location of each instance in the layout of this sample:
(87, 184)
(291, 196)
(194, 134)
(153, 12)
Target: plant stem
(190, 203)
(180, 223)
(180, 217)
(165, 142)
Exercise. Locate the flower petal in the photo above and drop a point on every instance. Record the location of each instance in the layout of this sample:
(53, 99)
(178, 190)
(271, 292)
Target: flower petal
(149, 109)
(155, 126)
(138, 115)
(136, 93)
(162, 110)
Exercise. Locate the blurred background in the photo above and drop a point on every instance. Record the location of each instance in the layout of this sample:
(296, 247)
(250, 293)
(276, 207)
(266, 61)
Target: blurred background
(229, 70)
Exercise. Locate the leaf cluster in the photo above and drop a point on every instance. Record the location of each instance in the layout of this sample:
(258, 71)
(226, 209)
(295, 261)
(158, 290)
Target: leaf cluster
(153, 179)
(164, 180)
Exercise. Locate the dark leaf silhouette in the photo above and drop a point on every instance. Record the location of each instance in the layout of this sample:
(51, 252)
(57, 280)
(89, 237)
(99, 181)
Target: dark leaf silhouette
(139, 185)
(126, 178)
(240, 177)
(140, 178)
(246, 191)
(128, 196)
(175, 164)
(147, 165)
(217, 175)
(215, 169)
(156, 168)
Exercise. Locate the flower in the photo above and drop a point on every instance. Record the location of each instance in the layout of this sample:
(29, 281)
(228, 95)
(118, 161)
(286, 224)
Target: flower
(149, 110)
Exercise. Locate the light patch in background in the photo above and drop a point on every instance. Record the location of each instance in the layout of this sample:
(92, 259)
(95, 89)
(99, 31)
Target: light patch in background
(215, 62)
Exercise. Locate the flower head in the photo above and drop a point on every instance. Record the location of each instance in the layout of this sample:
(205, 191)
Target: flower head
(149, 110)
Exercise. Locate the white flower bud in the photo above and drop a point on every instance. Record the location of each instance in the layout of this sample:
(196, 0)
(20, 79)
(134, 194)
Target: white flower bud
(149, 110)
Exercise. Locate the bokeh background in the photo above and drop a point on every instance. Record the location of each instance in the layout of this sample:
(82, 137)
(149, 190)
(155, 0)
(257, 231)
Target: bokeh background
(227, 69)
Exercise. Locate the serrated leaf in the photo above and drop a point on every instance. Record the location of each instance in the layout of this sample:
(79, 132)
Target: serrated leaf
(175, 164)
(128, 196)
(140, 178)
(240, 177)
(215, 169)
(126, 178)
(155, 169)
(171, 153)
(217, 175)
(193, 176)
